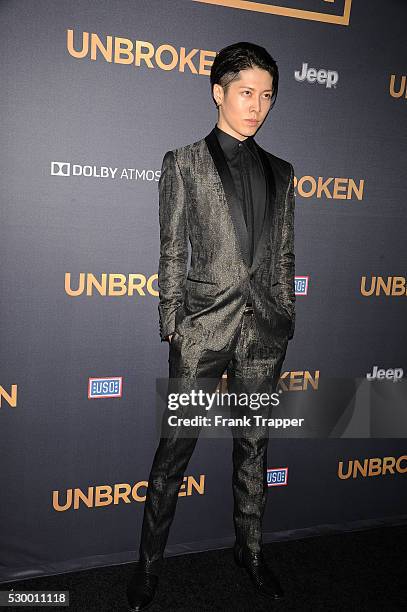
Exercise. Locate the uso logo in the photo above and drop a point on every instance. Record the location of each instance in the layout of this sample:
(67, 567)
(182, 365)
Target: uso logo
(301, 285)
(277, 477)
(99, 388)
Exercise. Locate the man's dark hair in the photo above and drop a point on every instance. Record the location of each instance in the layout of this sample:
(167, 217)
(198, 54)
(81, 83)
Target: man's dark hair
(240, 56)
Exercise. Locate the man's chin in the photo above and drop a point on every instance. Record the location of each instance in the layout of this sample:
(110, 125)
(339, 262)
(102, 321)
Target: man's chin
(250, 130)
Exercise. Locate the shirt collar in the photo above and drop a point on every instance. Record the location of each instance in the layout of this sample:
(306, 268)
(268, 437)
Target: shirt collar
(230, 144)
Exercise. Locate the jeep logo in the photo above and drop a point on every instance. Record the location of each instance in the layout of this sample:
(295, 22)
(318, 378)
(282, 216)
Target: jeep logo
(329, 78)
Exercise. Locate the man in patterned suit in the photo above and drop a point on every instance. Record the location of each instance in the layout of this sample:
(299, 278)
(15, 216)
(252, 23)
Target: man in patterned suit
(233, 309)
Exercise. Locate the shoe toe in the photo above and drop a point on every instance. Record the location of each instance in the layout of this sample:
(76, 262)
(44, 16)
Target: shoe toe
(141, 591)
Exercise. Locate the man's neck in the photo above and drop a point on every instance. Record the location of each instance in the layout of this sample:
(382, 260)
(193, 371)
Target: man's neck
(226, 128)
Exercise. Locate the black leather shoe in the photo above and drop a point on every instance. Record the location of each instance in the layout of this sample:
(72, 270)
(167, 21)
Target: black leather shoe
(265, 582)
(141, 589)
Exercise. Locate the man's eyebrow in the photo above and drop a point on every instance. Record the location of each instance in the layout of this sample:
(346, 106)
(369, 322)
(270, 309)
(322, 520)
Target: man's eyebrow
(252, 88)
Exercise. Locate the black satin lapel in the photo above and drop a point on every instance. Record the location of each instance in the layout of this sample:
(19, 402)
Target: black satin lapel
(235, 209)
(269, 217)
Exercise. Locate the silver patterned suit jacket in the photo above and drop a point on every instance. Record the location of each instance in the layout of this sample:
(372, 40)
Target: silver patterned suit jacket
(198, 205)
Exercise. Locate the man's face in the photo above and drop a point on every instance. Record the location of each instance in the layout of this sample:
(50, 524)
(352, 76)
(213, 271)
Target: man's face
(248, 97)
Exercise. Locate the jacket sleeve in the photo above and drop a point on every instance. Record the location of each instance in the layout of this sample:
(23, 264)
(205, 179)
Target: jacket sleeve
(286, 262)
(172, 269)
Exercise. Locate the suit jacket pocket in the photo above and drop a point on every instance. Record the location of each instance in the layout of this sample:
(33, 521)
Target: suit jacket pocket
(200, 286)
(199, 295)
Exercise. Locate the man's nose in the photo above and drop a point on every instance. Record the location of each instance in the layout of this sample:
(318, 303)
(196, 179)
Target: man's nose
(256, 105)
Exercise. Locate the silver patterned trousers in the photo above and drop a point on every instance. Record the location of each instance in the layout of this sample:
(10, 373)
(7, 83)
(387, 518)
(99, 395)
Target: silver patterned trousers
(251, 366)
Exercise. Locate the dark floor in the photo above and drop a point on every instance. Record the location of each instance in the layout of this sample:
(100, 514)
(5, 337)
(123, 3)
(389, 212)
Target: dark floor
(365, 570)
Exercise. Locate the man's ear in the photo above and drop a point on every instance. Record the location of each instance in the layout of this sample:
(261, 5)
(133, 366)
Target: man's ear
(217, 93)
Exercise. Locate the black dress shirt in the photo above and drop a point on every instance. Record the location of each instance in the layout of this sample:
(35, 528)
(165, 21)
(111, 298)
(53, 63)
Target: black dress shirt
(247, 173)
